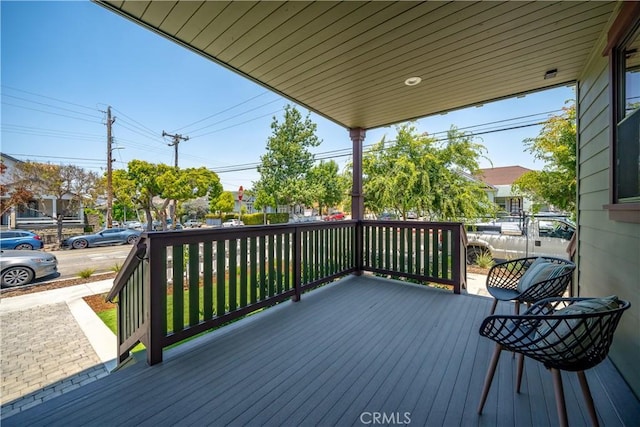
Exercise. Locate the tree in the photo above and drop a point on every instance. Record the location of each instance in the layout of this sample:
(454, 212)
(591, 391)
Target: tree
(123, 209)
(11, 195)
(70, 186)
(420, 173)
(196, 208)
(143, 181)
(328, 185)
(284, 167)
(224, 203)
(555, 184)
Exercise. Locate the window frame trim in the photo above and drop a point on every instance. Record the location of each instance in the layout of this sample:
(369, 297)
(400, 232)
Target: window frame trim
(619, 33)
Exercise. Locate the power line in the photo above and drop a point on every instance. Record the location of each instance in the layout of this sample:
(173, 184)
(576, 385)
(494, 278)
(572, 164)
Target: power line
(49, 112)
(45, 134)
(501, 121)
(333, 154)
(238, 124)
(140, 125)
(27, 156)
(225, 110)
(235, 117)
(49, 97)
(48, 105)
(34, 129)
(325, 155)
(140, 146)
(134, 130)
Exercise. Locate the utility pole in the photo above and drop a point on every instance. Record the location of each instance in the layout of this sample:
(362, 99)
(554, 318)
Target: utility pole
(110, 122)
(177, 138)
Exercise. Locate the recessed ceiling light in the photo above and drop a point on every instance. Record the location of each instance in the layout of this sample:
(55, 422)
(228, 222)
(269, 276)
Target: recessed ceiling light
(412, 81)
(551, 74)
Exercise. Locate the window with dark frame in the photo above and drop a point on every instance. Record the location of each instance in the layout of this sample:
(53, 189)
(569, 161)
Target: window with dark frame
(627, 166)
(623, 50)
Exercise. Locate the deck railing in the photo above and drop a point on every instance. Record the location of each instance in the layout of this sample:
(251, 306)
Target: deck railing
(177, 284)
(423, 251)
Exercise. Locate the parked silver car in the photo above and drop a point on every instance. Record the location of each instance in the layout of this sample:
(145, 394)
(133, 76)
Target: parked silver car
(106, 237)
(193, 223)
(22, 267)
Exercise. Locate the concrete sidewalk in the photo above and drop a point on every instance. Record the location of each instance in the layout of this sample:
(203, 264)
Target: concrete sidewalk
(477, 284)
(52, 342)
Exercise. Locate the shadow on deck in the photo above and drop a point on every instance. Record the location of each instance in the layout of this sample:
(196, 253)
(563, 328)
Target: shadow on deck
(360, 348)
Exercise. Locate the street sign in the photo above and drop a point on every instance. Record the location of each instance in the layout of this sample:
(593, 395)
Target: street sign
(240, 193)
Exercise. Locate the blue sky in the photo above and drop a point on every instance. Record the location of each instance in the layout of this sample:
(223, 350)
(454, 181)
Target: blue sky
(63, 63)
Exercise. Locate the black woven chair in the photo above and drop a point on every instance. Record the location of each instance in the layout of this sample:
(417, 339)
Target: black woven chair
(503, 279)
(565, 334)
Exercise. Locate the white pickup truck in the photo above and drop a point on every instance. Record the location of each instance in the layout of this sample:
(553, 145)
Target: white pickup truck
(528, 236)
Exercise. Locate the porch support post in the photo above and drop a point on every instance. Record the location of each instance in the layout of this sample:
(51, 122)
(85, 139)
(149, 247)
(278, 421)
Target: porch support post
(156, 308)
(357, 200)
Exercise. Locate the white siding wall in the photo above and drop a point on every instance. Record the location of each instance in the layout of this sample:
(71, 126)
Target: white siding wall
(608, 251)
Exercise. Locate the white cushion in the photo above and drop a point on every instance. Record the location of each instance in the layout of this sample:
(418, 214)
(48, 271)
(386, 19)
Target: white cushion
(560, 336)
(529, 275)
(539, 272)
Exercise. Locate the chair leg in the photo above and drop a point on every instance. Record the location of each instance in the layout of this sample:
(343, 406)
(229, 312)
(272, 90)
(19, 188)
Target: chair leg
(587, 397)
(560, 403)
(489, 378)
(519, 371)
(493, 307)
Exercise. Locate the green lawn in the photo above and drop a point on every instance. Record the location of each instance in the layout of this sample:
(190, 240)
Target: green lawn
(109, 317)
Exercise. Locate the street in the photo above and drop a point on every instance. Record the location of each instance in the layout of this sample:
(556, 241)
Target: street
(72, 261)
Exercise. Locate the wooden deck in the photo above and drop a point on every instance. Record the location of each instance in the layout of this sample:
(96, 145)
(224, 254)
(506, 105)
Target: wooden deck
(360, 346)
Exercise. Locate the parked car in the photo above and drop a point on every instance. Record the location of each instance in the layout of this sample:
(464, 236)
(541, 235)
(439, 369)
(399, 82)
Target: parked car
(22, 267)
(387, 216)
(134, 225)
(193, 223)
(232, 223)
(336, 216)
(20, 240)
(156, 225)
(106, 237)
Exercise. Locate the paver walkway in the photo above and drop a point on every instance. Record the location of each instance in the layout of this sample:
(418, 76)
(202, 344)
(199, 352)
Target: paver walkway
(50, 345)
(43, 362)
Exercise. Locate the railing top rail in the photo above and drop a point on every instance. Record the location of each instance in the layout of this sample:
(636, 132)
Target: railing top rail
(416, 224)
(169, 238)
(132, 261)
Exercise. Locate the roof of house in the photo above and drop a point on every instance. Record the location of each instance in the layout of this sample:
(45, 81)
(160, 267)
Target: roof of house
(8, 157)
(476, 179)
(502, 175)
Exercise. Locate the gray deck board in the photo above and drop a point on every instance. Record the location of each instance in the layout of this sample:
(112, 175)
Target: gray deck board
(362, 344)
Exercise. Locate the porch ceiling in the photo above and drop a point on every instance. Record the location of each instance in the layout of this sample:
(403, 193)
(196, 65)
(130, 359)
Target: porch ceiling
(348, 61)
